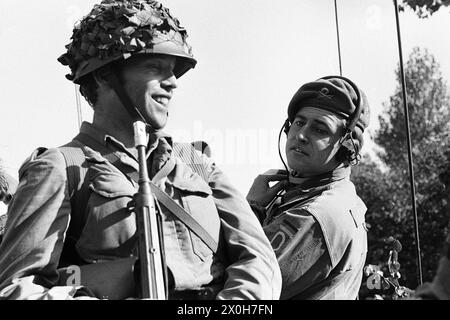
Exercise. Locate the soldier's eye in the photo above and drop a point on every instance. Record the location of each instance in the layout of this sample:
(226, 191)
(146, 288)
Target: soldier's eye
(321, 131)
(299, 123)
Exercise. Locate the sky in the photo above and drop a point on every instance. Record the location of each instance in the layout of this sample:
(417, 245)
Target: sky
(252, 57)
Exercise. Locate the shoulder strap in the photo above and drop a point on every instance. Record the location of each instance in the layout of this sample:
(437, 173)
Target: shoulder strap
(160, 195)
(78, 194)
(188, 153)
(74, 157)
(184, 216)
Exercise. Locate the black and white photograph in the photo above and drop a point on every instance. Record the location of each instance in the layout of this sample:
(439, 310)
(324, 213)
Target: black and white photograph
(242, 151)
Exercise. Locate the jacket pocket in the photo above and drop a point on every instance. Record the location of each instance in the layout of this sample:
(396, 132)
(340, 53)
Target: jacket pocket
(196, 198)
(110, 226)
(111, 185)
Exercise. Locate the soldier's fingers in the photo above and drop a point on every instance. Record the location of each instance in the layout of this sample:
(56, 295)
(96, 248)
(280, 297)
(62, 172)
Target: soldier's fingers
(273, 172)
(278, 186)
(272, 177)
(277, 177)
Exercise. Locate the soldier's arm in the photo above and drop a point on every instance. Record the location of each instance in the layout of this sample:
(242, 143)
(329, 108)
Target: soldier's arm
(302, 254)
(253, 272)
(38, 217)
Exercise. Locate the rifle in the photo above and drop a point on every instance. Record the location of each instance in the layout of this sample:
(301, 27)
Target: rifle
(152, 265)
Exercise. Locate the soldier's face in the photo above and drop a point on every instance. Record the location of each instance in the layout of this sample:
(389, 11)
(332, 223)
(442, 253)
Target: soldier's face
(149, 82)
(313, 141)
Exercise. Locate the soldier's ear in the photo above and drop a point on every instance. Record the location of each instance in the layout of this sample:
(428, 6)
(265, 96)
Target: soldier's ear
(100, 78)
(349, 152)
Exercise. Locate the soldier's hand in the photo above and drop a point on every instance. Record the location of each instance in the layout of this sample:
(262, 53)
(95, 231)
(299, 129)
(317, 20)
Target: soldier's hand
(261, 192)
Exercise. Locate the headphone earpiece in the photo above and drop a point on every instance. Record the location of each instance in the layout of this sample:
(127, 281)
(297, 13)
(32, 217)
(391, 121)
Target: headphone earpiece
(286, 126)
(349, 150)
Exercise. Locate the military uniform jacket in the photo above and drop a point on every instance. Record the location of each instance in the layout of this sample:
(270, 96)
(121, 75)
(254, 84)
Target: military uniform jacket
(40, 215)
(318, 233)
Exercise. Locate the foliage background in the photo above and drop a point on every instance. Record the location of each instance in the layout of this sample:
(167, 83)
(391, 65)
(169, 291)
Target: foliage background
(424, 8)
(384, 184)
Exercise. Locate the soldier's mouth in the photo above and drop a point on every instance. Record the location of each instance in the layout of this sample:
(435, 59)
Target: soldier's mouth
(299, 151)
(162, 100)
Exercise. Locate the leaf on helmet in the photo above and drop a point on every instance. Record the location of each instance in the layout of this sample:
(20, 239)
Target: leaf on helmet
(129, 48)
(165, 26)
(92, 51)
(134, 20)
(78, 56)
(105, 38)
(97, 18)
(133, 43)
(91, 36)
(146, 35)
(104, 46)
(148, 18)
(128, 31)
(109, 25)
(63, 59)
(141, 44)
(173, 23)
(127, 11)
(84, 47)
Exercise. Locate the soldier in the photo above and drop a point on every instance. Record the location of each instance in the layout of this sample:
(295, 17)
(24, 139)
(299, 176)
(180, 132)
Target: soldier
(8, 186)
(73, 203)
(313, 216)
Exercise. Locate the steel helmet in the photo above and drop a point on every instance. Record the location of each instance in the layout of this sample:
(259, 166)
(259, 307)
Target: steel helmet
(118, 29)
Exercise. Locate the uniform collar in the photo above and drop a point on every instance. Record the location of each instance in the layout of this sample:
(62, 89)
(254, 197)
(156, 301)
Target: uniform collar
(303, 187)
(108, 140)
(337, 174)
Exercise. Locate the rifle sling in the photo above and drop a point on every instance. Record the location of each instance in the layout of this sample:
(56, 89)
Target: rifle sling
(159, 194)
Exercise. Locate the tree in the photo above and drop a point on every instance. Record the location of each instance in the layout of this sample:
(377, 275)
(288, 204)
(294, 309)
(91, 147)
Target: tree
(424, 8)
(387, 192)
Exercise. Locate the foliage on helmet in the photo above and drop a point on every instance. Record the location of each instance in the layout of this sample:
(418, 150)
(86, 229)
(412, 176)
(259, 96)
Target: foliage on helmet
(115, 28)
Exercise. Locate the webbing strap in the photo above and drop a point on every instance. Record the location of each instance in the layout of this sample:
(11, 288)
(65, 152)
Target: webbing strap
(78, 195)
(188, 154)
(159, 194)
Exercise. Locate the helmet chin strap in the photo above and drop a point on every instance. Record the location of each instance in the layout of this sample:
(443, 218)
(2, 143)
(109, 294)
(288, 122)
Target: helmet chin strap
(110, 76)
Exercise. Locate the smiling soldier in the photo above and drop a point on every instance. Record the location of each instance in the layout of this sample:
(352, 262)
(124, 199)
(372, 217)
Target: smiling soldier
(313, 216)
(74, 204)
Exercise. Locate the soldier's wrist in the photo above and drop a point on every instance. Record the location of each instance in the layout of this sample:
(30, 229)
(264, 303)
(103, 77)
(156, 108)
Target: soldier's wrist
(258, 209)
